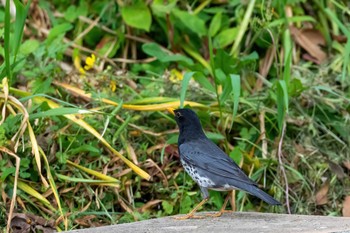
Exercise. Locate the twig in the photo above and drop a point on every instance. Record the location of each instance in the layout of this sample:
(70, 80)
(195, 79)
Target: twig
(12, 205)
(282, 167)
(263, 134)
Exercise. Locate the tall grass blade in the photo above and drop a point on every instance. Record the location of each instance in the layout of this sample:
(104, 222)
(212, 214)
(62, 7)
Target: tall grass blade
(184, 85)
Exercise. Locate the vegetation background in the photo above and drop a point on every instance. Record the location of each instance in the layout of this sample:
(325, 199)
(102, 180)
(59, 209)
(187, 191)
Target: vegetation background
(85, 137)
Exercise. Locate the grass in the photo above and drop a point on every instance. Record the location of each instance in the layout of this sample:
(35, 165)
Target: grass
(85, 137)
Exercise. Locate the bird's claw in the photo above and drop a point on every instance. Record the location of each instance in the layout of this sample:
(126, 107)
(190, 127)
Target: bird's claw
(188, 216)
(218, 214)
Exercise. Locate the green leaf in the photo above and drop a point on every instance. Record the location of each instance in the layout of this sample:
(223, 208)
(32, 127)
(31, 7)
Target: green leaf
(236, 89)
(215, 24)
(216, 199)
(6, 172)
(226, 37)
(215, 136)
(137, 15)
(204, 82)
(282, 102)
(70, 14)
(184, 85)
(220, 76)
(185, 205)
(160, 8)
(58, 112)
(29, 46)
(62, 157)
(168, 208)
(192, 22)
(58, 30)
(236, 155)
(154, 50)
(21, 15)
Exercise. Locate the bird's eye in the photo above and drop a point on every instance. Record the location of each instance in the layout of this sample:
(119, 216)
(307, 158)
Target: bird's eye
(178, 114)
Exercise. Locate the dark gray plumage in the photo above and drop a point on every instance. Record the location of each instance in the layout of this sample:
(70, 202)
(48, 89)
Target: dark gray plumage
(207, 164)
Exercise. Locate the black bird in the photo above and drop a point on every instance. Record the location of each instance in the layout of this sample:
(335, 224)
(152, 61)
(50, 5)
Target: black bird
(208, 165)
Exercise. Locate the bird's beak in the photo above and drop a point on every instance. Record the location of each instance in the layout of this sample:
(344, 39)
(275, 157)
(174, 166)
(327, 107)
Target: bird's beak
(171, 110)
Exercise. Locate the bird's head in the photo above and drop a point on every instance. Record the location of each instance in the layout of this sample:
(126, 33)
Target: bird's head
(189, 124)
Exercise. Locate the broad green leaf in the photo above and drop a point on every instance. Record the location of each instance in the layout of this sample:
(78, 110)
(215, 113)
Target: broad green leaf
(184, 85)
(287, 65)
(71, 13)
(215, 24)
(216, 199)
(282, 102)
(58, 30)
(21, 15)
(6, 172)
(220, 76)
(204, 82)
(168, 207)
(236, 155)
(153, 49)
(160, 8)
(226, 37)
(185, 205)
(29, 46)
(137, 15)
(236, 89)
(191, 21)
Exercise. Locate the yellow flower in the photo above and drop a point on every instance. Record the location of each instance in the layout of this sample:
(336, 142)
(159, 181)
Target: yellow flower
(82, 71)
(113, 85)
(89, 62)
(175, 76)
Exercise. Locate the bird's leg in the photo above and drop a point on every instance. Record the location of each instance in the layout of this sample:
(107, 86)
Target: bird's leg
(222, 210)
(191, 214)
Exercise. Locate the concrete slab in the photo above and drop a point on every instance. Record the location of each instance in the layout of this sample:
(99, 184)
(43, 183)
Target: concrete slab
(247, 222)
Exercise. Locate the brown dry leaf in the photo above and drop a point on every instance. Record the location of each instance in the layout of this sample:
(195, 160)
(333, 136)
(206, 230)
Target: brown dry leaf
(321, 195)
(337, 169)
(347, 164)
(340, 38)
(346, 207)
(315, 36)
(31, 223)
(149, 205)
(266, 62)
(310, 40)
(264, 66)
(85, 220)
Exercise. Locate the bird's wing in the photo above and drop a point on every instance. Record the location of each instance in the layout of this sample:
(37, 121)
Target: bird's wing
(205, 154)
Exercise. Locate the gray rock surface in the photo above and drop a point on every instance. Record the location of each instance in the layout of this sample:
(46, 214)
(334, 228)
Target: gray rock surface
(248, 222)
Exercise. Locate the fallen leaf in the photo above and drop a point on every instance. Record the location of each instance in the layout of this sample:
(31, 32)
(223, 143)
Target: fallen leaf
(310, 40)
(149, 205)
(337, 169)
(321, 195)
(340, 38)
(346, 207)
(23, 223)
(264, 66)
(347, 164)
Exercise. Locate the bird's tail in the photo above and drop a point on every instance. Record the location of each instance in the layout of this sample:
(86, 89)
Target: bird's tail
(262, 195)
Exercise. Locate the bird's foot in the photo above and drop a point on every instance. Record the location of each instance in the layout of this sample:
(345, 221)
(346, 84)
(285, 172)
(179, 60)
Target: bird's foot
(188, 216)
(218, 214)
